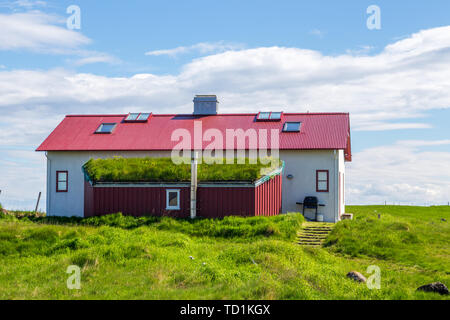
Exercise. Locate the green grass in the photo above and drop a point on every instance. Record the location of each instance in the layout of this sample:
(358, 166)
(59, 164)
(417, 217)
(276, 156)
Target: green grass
(163, 169)
(234, 258)
(413, 236)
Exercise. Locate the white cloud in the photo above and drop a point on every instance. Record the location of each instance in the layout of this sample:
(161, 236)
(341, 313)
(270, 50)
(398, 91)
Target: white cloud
(424, 143)
(390, 90)
(44, 33)
(317, 32)
(29, 4)
(401, 173)
(202, 48)
(391, 126)
(93, 57)
(361, 50)
(23, 177)
(37, 31)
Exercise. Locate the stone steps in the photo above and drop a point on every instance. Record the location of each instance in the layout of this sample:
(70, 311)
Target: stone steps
(314, 233)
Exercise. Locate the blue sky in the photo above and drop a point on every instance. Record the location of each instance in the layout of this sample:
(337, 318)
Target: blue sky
(129, 30)
(290, 55)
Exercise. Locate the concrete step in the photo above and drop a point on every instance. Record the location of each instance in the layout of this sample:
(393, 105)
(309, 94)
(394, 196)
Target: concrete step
(311, 236)
(314, 233)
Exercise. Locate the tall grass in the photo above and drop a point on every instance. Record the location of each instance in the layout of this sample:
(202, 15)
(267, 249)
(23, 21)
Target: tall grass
(242, 228)
(163, 260)
(164, 170)
(124, 257)
(415, 236)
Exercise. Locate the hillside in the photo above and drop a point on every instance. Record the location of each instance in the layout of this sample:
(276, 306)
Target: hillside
(234, 258)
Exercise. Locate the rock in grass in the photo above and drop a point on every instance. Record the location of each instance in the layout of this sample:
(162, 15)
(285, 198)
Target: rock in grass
(355, 275)
(434, 287)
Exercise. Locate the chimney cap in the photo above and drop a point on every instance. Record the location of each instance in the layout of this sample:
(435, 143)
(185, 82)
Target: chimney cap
(205, 97)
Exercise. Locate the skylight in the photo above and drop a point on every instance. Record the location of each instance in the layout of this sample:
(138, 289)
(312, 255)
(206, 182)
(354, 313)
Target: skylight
(143, 117)
(137, 117)
(106, 128)
(263, 115)
(269, 116)
(275, 116)
(291, 126)
(132, 117)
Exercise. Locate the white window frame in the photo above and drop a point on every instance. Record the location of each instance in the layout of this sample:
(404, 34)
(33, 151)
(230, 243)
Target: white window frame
(168, 207)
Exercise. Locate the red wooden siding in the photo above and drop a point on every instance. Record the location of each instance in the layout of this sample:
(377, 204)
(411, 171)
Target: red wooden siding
(212, 201)
(268, 197)
(218, 202)
(88, 199)
(135, 201)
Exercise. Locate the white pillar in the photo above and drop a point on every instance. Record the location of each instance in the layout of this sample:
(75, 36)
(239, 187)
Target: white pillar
(194, 161)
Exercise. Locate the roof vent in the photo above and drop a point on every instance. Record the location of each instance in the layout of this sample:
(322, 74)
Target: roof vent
(205, 104)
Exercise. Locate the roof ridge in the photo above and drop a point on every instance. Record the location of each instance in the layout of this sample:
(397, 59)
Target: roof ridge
(220, 114)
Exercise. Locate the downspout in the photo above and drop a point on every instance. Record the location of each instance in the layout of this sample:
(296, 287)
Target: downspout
(194, 162)
(336, 186)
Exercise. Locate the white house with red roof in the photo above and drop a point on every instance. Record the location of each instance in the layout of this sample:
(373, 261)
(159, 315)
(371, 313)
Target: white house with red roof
(313, 146)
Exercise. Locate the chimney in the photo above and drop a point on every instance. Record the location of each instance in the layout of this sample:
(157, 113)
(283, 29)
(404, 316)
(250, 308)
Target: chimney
(205, 104)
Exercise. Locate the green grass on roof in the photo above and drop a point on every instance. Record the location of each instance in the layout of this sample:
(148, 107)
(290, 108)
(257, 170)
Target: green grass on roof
(164, 170)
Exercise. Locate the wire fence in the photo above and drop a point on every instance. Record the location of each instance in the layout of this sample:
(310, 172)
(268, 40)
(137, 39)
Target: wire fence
(402, 203)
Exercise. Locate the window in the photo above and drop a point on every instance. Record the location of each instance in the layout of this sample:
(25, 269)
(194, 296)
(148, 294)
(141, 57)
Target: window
(263, 115)
(269, 116)
(143, 117)
(275, 116)
(137, 117)
(106, 128)
(62, 179)
(132, 117)
(322, 177)
(291, 126)
(173, 199)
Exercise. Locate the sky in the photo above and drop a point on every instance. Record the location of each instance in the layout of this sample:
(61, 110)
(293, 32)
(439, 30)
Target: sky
(295, 56)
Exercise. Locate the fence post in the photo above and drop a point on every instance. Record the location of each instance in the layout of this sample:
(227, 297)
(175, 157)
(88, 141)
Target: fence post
(37, 204)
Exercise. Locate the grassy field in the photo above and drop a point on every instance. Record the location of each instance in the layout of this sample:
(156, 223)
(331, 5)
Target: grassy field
(234, 258)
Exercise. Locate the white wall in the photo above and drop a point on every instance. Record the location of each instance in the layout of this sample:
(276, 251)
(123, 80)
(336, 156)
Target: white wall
(302, 164)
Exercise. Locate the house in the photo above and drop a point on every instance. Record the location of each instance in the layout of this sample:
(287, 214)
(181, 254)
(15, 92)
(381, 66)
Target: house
(313, 146)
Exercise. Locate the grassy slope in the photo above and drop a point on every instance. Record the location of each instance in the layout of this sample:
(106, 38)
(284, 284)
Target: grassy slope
(413, 236)
(235, 258)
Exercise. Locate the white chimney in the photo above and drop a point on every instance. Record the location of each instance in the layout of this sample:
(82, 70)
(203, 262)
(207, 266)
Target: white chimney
(205, 104)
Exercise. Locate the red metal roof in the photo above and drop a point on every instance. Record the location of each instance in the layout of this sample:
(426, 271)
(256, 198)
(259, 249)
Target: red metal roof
(76, 132)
